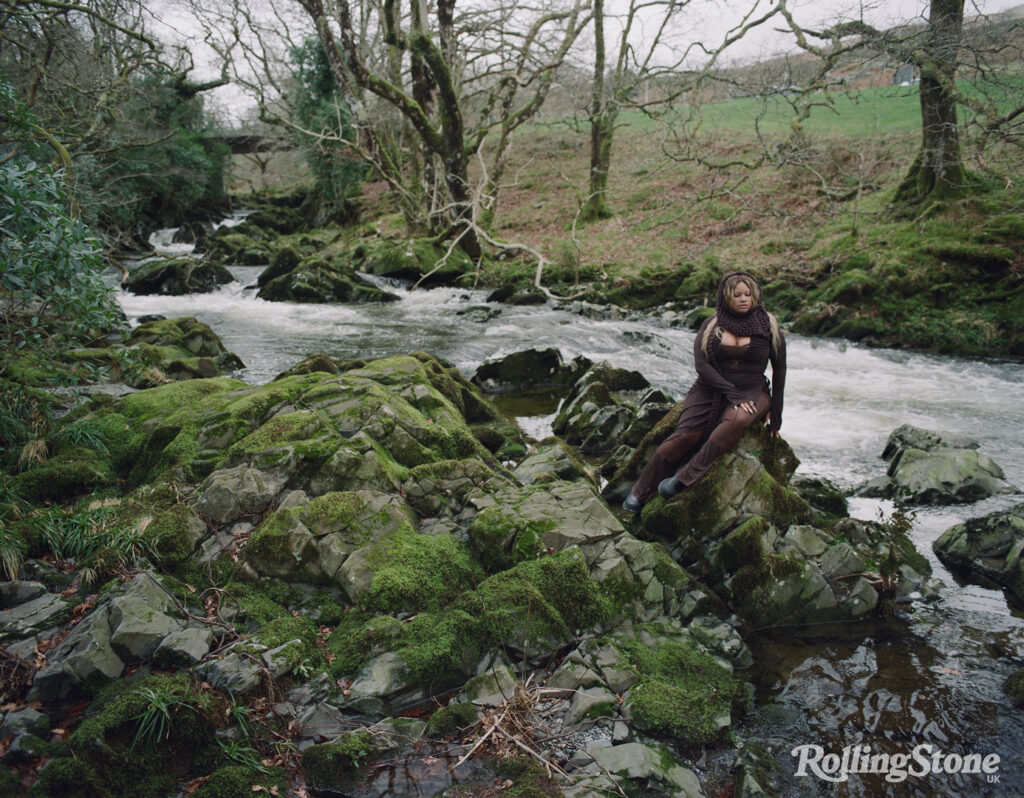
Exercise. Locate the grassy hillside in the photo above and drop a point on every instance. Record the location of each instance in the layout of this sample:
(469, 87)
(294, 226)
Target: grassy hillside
(729, 185)
(813, 220)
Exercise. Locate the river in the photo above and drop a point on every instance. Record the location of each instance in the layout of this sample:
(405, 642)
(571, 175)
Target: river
(932, 675)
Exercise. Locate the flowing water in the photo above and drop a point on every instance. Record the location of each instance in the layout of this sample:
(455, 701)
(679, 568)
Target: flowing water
(932, 675)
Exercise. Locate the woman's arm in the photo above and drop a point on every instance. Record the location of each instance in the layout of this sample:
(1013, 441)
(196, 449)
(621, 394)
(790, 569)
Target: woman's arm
(778, 360)
(708, 372)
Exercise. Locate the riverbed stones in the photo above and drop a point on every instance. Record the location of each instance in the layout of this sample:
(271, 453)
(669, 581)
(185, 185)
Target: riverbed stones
(18, 591)
(494, 687)
(590, 703)
(530, 368)
(645, 768)
(159, 350)
(319, 281)
(750, 536)
(928, 468)
(176, 276)
(551, 461)
(990, 549)
(609, 407)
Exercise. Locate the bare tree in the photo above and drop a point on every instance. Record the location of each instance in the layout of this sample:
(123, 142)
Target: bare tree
(940, 54)
(431, 89)
(640, 62)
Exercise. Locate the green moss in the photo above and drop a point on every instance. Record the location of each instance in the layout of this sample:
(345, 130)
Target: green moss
(605, 709)
(331, 765)
(67, 777)
(452, 718)
(331, 511)
(668, 571)
(98, 758)
(300, 634)
(269, 540)
(744, 546)
(65, 476)
(909, 554)
(417, 572)
(168, 400)
(359, 636)
(254, 604)
(122, 441)
(440, 648)
(539, 600)
(502, 539)
(681, 690)
(849, 286)
(10, 783)
(529, 779)
(166, 536)
(280, 429)
(239, 781)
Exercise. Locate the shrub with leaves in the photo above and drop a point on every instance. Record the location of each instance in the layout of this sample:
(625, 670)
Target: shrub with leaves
(52, 296)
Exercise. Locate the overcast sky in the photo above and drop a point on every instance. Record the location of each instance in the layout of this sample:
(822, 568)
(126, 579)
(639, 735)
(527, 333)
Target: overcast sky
(707, 21)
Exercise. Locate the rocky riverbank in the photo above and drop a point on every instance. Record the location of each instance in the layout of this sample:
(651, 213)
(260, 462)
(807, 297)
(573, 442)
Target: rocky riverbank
(361, 569)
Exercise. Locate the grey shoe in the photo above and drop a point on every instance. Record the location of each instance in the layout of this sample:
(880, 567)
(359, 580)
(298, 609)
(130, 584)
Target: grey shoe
(632, 504)
(670, 487)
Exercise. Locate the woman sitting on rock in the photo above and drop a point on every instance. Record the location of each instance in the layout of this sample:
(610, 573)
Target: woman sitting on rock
(731, 352)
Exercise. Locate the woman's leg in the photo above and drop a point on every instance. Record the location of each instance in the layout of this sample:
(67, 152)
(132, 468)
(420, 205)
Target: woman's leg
(664, 461)
(725, 436)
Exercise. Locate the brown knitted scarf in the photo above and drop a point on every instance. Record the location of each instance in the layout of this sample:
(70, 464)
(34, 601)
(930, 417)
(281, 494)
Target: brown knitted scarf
(753, 322)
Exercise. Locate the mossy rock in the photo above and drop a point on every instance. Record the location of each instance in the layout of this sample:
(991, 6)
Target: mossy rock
(241, 781)
(740, 483)
(411, 260)
(682, 692)
(528, 779)
(530, 368)
(65, 476)
(413, 572)
(317, 281)
(173, 535)
(537, 605)
(231, 245)
(110, 752)
(299, 636)
(452, 718)
(822, 494)
(177, 276)
(701, 283)
(333, 766)
(310, 365)
(534, 607)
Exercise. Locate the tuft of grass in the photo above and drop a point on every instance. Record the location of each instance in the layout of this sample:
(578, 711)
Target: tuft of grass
(158, 714)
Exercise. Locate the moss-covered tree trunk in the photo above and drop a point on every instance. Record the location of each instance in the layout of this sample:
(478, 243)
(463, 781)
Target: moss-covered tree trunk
(602, 126)
(938, 171)
(453, 154)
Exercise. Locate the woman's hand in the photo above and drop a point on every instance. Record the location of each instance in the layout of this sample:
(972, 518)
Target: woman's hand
(750, 407)
(772, 431)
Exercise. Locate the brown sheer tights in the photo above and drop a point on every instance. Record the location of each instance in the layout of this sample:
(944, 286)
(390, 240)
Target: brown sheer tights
(680, 443)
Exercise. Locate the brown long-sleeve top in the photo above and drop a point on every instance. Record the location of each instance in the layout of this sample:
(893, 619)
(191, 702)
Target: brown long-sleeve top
(738, 371)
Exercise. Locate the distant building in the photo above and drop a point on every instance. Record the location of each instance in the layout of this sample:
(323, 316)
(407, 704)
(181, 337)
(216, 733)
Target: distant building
(904, 76)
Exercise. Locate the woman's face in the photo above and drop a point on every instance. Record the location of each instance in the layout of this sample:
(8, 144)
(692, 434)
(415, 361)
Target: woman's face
(742, 300)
